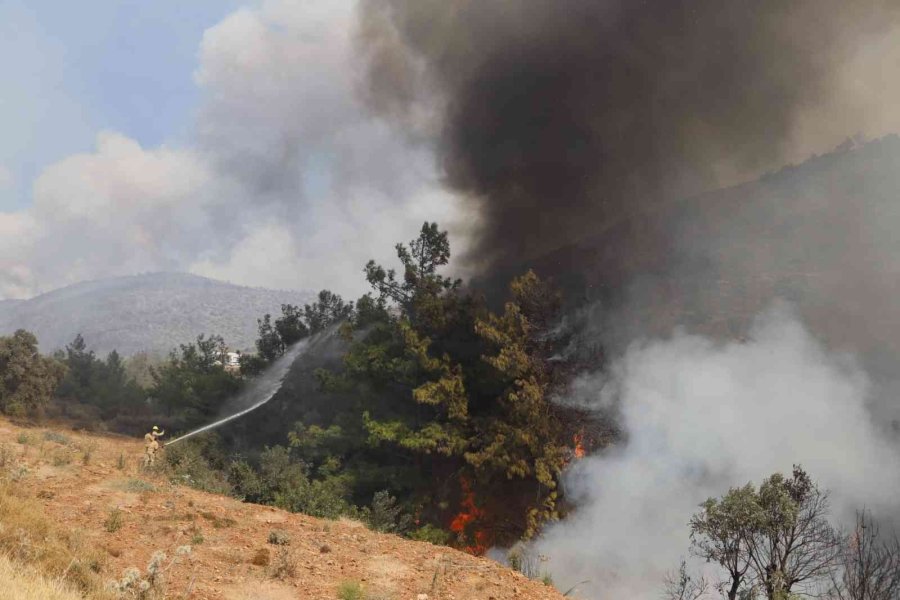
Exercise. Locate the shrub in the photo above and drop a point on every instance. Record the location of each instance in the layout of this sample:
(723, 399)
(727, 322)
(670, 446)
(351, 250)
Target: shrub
(138, 486)
(114, 521)
(29, 538)
(350, 590)
(218, 522)
(385, 515)
(9, 462)
(524, 561)
(192, 463)
(61, 458)
(284, 566)
(53, 436)
(279, 537)
(120, 464)
(430, 533)
(87, 451)
(196, 536)
(25, 438)
(137, 586)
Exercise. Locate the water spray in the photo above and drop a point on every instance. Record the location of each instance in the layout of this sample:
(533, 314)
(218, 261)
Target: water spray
(262, 389)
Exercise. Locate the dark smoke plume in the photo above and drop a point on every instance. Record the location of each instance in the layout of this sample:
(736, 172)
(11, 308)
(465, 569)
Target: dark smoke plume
(561, 118)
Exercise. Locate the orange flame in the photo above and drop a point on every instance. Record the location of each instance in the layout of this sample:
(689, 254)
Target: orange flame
(578, 439)
(470, 513)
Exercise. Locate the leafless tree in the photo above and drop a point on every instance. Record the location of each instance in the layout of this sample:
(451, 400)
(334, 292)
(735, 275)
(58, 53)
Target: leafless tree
(678, 585)
(869, 565)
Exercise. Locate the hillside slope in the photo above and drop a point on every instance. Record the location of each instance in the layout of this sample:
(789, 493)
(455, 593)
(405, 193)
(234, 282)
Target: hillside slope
(821, 235)
(153, 312)
(227, 537)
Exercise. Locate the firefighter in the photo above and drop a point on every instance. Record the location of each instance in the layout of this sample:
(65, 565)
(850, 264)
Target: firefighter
(152, 446)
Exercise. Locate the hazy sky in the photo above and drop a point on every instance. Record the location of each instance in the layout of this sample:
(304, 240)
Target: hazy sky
(216, 137)
(73, 69)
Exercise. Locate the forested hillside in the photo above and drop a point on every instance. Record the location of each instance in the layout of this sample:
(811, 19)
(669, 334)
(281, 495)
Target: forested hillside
(152, 312)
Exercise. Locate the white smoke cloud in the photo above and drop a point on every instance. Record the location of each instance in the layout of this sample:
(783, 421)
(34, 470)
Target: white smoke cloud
(285, 181)
(700, 417)
(121, 209)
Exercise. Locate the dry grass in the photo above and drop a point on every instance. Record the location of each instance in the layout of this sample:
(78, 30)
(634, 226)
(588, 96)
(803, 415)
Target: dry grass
(19, 582)
(29, 538)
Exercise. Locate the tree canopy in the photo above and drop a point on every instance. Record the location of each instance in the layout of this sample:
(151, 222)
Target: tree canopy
(27, 379)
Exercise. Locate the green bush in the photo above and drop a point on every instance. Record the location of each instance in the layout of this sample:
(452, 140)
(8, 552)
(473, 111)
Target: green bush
(385, 515)
(350, 590)
(430, 533)
(194, 463)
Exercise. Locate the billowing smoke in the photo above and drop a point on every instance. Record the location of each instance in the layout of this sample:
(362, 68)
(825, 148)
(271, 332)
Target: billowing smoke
(562, 118)
(283, 178)
(578, 131)
(703, 416)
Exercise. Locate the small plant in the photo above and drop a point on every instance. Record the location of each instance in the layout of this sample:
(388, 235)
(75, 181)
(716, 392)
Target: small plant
(8, 458)
(114, 521)
(284, 566)
(279, 537)
(523, 561)
(120, 464)
(87, 451)
(53, 436)
(136, 586)
(138, 486)
(197, 537)
(61, 458)
(350, 590)
(547, 579)
(218, 522)
(25, 438)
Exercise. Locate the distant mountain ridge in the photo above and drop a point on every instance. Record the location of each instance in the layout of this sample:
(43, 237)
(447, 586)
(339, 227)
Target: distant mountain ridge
(151, 312)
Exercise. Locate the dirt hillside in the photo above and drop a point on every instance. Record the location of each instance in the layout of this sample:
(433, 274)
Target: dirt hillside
(131, 515)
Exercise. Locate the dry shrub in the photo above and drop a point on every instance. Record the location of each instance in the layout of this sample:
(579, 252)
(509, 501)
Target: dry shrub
(87, 451)
(218, 522)
(279, 537)
(62, 458)
(26, 583)
(151, 585)
(284, 566)
(114, 521)
(28, 537)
